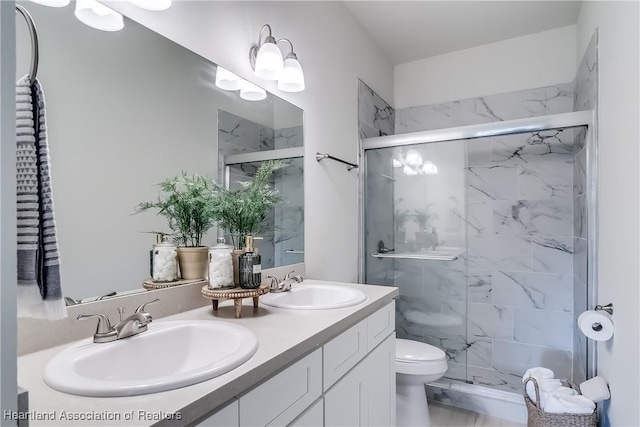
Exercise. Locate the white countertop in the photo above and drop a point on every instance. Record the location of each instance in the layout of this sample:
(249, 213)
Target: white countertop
(283, 336)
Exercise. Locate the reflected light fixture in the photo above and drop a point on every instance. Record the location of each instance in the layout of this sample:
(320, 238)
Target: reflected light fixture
(429, 168)
(98, 16)
(397, 163)
(413, 158)
(268, 64)
(408, 170)
(156, 5)
(251, 92)
(226, 80)
(52, 3)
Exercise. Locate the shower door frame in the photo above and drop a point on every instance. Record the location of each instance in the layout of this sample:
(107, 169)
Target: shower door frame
(586, 118)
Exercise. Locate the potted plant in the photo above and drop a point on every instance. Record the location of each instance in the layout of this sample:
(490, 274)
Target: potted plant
(242, 211)
(423, 219)
(187, 201)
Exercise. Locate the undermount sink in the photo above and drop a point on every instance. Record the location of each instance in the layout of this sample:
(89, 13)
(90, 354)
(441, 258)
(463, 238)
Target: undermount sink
(310, 295)
(169, 355)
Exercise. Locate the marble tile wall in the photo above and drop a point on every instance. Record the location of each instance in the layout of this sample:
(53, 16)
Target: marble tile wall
(513, 105)
(518, 268)
(585, 89)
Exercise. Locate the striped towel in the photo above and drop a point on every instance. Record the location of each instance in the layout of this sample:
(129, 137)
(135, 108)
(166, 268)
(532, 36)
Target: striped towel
(39, 287)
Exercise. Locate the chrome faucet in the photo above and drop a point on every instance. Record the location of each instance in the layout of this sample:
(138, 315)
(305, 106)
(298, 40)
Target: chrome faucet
(285, 284)
(130, 326)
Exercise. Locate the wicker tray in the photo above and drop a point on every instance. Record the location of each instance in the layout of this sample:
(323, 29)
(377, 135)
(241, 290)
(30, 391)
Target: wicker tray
(150, 285)
(236, 294)
(538, 418)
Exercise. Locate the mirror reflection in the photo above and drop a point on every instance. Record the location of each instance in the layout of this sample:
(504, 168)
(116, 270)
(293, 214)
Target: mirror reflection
(125, 111)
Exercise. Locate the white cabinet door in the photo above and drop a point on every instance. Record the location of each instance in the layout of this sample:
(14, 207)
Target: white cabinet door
(366, 396)
(225, 417)
(380, 378)
(345, 404)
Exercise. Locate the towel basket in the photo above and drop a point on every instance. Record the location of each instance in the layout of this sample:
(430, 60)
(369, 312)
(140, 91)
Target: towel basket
(538, 418)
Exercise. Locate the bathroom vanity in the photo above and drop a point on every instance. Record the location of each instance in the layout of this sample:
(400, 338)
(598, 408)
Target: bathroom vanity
(312, 367)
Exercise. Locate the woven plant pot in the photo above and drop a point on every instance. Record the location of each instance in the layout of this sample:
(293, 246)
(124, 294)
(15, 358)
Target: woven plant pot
(193, 262)
(536, 417)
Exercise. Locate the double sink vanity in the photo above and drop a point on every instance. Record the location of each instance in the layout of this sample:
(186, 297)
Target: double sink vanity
(321, 354)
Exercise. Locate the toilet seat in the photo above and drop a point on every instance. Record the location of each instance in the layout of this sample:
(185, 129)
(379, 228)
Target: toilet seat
(418, 358)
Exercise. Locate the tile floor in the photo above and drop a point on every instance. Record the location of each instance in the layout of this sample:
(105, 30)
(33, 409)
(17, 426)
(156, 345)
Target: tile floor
(448, 416)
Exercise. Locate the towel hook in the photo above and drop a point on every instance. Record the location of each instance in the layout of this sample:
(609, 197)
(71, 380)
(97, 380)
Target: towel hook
(33, 33)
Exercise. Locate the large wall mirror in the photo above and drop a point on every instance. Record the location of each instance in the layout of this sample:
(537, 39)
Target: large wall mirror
(128, 109)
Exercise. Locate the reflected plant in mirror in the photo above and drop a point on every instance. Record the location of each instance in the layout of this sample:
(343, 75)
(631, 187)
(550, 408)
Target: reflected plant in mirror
(243, 211)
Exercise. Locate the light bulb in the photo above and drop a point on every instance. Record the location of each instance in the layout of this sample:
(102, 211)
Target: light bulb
(251, 92)
(397, 163)
(269, 62)
(226, 80)
(408, 170)
(152, 4)
(98, 16)
(292, 77)
(429, 168)
(413, 158)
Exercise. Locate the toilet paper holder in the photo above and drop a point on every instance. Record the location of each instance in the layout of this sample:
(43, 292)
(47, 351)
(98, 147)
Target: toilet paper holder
(608, 308)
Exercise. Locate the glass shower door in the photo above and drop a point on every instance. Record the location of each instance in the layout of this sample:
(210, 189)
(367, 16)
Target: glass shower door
(415, 205)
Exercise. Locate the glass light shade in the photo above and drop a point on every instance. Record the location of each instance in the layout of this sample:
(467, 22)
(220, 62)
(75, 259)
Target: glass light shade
(397, 163)
(413, 158)
(226, 80)
(251, 92)
(429, 168)
(292, 77)
(269, 62)
(408, 170)
(98, 16)
(52, 3)
(152, 4)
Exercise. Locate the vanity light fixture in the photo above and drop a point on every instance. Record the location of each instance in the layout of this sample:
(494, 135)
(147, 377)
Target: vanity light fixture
(226, 80)
(397, 163)
(98, 16)
(429, 168)
(52, 3)
(156, 5)
(408, 170)
(413, 158)
(268, 64)
(251, 92)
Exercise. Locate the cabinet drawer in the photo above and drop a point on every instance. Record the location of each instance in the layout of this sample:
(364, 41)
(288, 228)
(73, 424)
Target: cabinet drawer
(344, 352)
(280, 399)
(380, 324)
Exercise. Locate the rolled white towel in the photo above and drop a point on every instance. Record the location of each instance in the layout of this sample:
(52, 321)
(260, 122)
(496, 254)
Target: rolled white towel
(539, 373)
(559, 403)
(545, 387)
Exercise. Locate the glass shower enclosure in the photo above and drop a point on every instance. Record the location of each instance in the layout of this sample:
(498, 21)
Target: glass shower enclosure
(484, 230)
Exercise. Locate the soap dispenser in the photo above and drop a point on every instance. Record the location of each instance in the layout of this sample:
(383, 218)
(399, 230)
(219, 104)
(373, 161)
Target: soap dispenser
(250, 267)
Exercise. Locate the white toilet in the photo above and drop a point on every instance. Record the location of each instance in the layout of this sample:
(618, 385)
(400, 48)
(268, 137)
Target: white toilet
(417, 363)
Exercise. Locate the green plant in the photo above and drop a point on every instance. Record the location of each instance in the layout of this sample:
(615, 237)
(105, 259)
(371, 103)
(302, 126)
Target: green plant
(424, 218)
(242, 212)
(188, 204)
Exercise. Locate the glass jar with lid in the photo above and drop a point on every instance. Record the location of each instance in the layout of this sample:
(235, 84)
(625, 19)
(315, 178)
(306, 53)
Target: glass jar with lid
(220, 266)
(164, 262)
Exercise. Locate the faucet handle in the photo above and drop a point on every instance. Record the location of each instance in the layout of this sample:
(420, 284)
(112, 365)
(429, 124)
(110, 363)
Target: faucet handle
(288, 275)
(104, 326)
(274, 283)
(142, 309)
